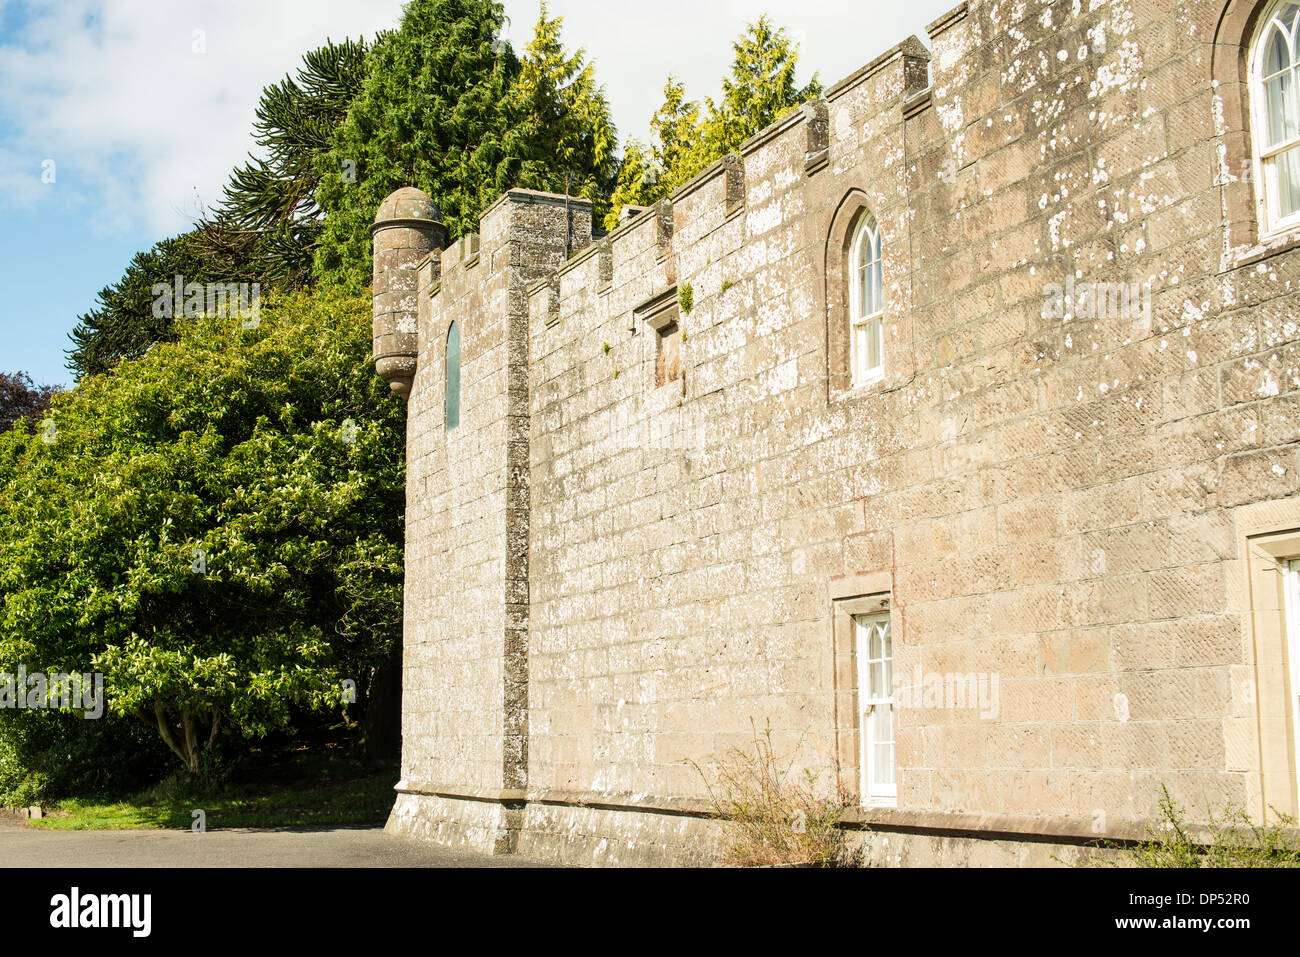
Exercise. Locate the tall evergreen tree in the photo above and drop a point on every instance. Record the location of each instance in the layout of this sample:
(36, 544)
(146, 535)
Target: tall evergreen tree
(265, 229)
(267, 225)
(760, 89)
(676, 153)
(433, 112)
(448, 107)
(566, 120)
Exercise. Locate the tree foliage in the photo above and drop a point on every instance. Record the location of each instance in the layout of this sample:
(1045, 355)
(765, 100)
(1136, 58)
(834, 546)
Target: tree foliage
(21, 400)
(685, 137)
(217, 526)
(122, 324)
(565, 119)
(264, 230)
(267, 225)
(447, 106)
(431, 113)
(760, 90)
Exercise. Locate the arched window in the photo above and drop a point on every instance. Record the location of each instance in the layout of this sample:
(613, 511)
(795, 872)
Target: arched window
(866, 303)
(453, 377)
(1274, 71)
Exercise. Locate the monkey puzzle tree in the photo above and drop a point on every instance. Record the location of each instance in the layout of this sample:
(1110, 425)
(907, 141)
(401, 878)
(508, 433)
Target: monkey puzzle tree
(266, 227)
(123, 323)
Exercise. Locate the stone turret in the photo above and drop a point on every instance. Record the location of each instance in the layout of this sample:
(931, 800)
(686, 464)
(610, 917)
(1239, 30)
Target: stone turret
(407, 228)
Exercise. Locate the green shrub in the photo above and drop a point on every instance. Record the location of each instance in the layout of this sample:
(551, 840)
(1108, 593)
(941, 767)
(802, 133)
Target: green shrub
(1232, 839)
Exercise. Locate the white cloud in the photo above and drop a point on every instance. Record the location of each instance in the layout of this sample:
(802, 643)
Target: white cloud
(637, 44)
(144, 130)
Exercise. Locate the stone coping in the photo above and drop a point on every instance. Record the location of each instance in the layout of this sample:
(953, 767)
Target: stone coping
(909, 47)
(947, 21)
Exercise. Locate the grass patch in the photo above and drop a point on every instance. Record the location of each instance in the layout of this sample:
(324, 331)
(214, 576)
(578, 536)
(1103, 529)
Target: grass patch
(309, 791)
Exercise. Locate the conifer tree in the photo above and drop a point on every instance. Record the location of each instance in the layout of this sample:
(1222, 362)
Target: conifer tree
(566, 119)
(676, 153)
(266, 227)
(122, 324)
(760, 90)
(433, 113)
(448, 107)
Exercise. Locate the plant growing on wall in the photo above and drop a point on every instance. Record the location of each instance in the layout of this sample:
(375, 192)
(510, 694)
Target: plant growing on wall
(771, 815)
(1231, 839)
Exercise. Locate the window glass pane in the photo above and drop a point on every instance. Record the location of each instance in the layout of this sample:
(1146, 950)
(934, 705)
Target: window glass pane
(1280, 99)
(887, 650)
(875, 344)
(884, 764)
(1277, 55)
(882, 745)
(1286, 179)
(859, 352)
(863, 245)
(864, 291)
(453, 376)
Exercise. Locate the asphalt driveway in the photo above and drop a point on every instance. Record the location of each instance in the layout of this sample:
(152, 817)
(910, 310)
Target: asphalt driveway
(22, 846)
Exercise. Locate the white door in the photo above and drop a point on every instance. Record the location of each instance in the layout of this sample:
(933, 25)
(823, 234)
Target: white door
(1293, 648)
(875, 654)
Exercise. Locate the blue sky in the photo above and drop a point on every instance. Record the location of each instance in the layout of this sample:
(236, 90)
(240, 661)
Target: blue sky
(138, 120)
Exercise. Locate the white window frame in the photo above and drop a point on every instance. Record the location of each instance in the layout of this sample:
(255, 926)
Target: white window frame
(870, 706)
(1291, 571)
(1265, 173)
(868, 231)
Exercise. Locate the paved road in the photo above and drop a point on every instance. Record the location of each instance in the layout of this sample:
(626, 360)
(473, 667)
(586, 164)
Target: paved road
(22, 846)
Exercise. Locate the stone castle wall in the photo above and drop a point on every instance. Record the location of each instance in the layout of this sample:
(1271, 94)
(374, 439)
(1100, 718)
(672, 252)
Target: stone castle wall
(610, 583)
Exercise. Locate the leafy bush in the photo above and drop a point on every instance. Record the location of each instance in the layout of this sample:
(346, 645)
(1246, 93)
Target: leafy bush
(216, 526)
(45, 754)
(1231, 840)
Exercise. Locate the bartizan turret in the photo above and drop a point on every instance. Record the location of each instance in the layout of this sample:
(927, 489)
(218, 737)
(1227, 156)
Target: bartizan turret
(407, 228)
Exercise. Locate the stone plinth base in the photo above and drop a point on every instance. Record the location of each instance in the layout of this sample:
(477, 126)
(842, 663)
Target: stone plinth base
(586, 829)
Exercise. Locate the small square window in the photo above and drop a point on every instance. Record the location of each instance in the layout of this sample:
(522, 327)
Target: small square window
(668, 354)
(659, 315)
